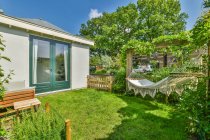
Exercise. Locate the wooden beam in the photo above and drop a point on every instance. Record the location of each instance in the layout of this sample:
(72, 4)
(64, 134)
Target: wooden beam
(208, 84)
(129, 64)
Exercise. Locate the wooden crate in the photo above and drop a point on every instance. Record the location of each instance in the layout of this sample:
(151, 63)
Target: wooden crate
(100, 82)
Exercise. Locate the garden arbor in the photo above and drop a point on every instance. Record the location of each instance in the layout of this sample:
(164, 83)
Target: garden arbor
(174, 44)
(177, 45)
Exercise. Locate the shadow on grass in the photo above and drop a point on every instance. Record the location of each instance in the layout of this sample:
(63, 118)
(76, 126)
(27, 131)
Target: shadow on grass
(148, 120)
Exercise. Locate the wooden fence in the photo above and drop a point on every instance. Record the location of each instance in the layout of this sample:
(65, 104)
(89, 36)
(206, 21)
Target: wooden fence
(100, 82)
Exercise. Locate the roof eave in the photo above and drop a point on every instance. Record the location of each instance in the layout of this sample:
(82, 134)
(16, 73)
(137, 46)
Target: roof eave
(11, 21)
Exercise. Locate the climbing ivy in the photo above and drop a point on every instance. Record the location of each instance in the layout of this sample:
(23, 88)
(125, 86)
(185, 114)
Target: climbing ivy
(179, 45)
(178, 39)
(200, 32)
(139, 47)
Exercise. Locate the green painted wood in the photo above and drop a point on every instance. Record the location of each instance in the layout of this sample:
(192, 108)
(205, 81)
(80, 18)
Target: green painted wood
(53, 84)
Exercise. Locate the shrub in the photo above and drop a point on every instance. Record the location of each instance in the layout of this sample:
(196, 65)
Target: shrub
(39, 125)
(193, 104)
(159, 74)
(101, 72)
(120, 81)
(3, 77)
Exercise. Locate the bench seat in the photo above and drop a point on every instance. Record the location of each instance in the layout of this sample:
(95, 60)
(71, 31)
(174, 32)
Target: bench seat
(18, 100)
(26, 103)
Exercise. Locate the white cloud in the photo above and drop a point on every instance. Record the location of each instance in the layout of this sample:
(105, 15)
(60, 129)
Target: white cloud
(94, 13)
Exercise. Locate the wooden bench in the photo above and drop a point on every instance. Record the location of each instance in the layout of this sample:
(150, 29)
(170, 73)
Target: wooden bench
(18, 100)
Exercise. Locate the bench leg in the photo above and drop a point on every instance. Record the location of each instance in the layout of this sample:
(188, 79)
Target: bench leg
(18, 115)
(36, 107)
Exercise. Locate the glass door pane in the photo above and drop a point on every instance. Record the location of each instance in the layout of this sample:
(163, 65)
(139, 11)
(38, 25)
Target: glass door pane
(41, 61)
(61, 62)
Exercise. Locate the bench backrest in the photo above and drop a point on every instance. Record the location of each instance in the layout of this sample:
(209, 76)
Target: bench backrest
(15, 96)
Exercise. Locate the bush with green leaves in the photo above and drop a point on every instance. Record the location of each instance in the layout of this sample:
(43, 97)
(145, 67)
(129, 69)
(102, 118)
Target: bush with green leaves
(39, 125)
(4, 78)
(120, 81)
(100, 71)
(158, 74)
(193, 104)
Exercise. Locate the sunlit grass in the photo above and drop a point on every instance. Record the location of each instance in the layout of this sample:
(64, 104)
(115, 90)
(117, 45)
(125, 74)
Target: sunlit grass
(102, 115)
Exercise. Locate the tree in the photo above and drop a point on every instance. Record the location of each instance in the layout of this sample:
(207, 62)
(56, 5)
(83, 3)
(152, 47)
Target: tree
(3, 78)
(159, 17)
(144, 22)
(206, 3)
(112, 30)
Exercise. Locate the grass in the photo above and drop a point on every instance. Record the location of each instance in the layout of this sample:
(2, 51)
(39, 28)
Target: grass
(102, 115)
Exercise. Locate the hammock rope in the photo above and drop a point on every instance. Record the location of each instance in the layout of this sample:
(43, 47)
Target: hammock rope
(165, 86)
(179, 80)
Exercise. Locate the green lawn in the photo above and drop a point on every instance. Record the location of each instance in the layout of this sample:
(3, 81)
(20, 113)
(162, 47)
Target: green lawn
(102, 115)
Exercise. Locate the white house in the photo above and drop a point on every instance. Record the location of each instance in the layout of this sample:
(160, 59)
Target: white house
(43, 55)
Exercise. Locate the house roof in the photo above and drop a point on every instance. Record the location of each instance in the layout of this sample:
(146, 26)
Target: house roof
(42, 26)
(43, 23)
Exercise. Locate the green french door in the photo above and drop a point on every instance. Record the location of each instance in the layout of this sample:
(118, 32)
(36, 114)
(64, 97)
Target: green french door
(49, 64)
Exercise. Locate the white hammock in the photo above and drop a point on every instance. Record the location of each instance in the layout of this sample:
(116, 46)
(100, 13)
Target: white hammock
(166, 86)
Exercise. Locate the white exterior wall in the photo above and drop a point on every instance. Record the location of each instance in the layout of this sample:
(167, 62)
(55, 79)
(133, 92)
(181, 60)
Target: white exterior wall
(17, 49)
(79, 65)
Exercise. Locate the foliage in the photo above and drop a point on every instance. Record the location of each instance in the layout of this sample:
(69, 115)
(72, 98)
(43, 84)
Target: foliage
(119, 81)
(138, 47)
(39, 125)
(136, 75)
(179, 39)
(201, 34)
(95, 60)
(143, 22)
(159, 17)
(178, 45)
(201, 37)
(101, 115)
(206, 3)
(193, 104)
(159, 74)
(100, 71)
(3, 78)
(112, 30)
(2, 132)
(107, 62)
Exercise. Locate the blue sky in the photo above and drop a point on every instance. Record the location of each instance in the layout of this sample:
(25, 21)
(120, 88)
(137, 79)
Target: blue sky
(70, 14)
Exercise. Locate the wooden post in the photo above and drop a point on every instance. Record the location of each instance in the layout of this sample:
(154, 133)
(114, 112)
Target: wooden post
(129, 64)
(166, 99)
(208, 83)
(47, 107)
(68, 130)
(110, 82)
(207, 111)
(165, 60)
(88, 82)
(17, 113)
